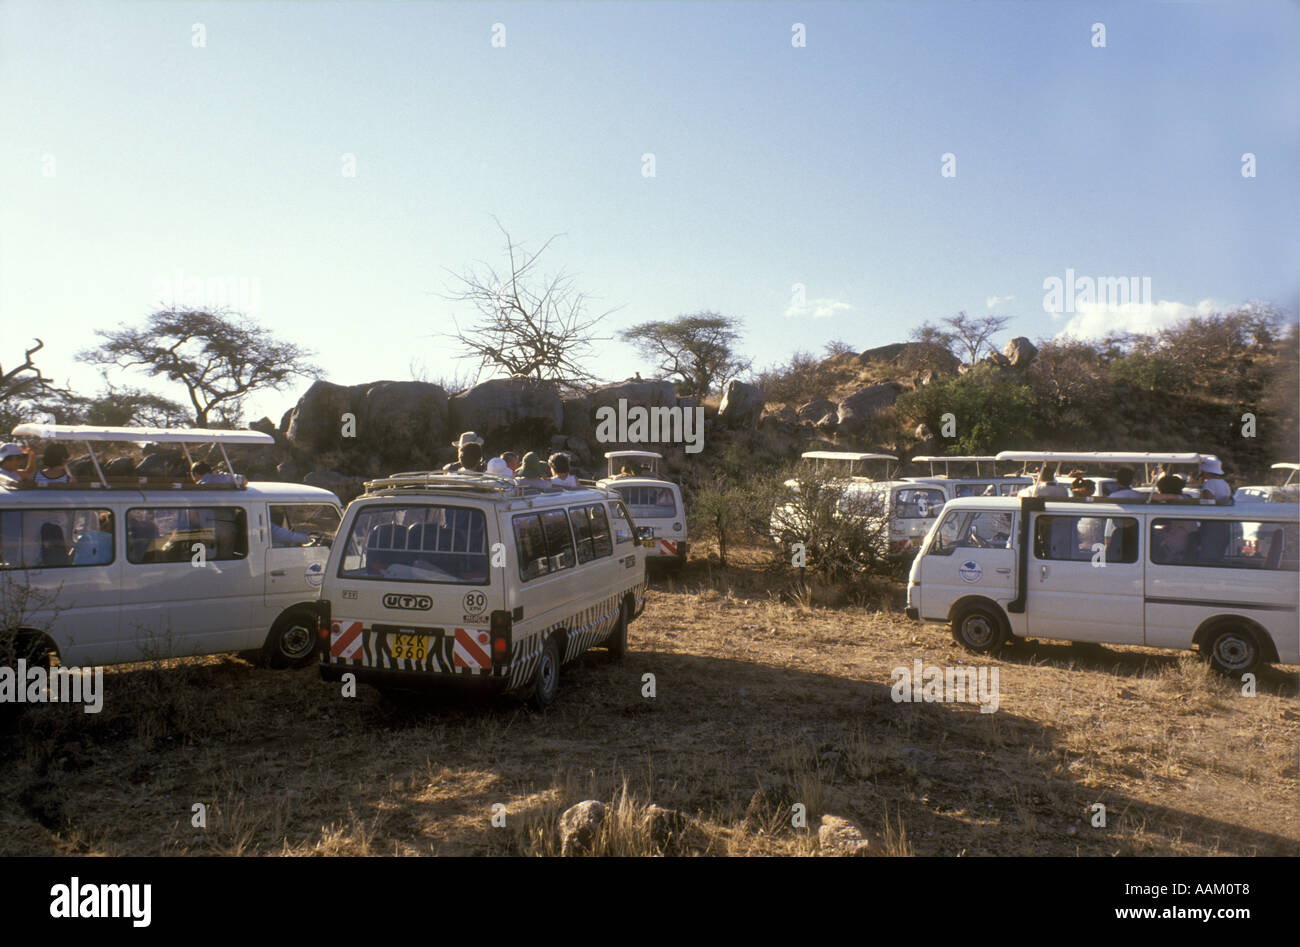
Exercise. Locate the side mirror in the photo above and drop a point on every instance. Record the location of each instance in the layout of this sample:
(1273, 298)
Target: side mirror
(645, 532)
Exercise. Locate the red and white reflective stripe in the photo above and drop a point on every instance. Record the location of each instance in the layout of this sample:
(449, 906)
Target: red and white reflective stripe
(471, 649)
(345, 638)
(667, 547)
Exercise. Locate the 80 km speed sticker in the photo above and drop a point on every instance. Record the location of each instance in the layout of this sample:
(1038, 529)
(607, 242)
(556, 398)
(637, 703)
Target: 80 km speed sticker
(475, 603)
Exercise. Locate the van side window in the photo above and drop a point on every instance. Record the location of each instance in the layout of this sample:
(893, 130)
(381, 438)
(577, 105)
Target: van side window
(559, 539)
(298, 524)
(49, 539)
(624, 531)
(1226, 544)
(919, 503)
(967, 529)
(530, 546)
(1075, 538)
(579, 516)
(649, 501)
(600, 538)
(169, 534)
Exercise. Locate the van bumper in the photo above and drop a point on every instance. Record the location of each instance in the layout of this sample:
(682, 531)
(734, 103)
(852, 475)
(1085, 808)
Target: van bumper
(416, 680)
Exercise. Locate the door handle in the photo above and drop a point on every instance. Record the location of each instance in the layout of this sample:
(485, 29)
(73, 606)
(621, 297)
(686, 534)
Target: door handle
(279, 572)
(1042, 572)
(1006, 571)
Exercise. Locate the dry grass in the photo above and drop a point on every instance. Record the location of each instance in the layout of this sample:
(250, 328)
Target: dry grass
(761, 705)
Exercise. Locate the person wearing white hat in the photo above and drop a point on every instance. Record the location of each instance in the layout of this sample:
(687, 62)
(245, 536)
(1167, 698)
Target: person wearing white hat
(1214, 487)
(13, 470)
(469, 454)
(498, 467)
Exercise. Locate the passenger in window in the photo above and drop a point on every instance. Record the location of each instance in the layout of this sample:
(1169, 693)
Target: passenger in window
(1169, 487)
(1124, 490)
(54, 466)
(1081, 489)
(283, 534)
(1213, 486)
(1045, 486)
(94, 547)
(1171, 543)
(54, 547)
(14, 470)
(513, 460)
(561, 476)
(1091, 531)
(532, 473)
(469, 454)
(203, 475)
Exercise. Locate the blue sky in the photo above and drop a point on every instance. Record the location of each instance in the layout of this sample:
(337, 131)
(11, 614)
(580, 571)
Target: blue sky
(774, 165)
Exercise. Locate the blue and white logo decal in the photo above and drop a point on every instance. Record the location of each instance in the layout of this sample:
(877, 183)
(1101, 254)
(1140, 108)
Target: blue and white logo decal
(315, 574)
(970, 571)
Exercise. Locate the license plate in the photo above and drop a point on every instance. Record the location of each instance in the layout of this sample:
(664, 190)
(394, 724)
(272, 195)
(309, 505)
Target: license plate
(649, 543)
(411, 647)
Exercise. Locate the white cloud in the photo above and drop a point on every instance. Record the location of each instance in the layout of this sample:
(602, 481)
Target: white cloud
(992, 302)
(1096, 320)
(818, 308)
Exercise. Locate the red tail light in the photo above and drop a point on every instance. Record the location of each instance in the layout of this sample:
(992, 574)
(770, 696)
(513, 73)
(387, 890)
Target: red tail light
(323, 620)
(500, 628)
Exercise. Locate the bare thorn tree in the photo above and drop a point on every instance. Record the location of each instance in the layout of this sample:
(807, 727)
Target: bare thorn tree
(972, 335)
(528, 324)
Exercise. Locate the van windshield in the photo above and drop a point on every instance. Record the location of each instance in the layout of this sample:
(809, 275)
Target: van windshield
(417, 544)
(649, 501)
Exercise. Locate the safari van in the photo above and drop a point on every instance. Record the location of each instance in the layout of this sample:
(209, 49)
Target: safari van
(654, 502)
(1218, 577)
(124, 569)
(1288, 491)
(467, 579)
(981, 483)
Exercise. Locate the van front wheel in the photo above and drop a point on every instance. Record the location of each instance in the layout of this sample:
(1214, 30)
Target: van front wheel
(546, 682)
(292, 642)
(978, 628)
(1232, 650)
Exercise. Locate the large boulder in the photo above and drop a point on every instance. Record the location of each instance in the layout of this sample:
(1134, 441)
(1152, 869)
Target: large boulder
(576, 416)
(996, 359)
(858, 408)
(816, 409)
(882, 353)
(511, 413)
(742, 404)
(1020, 352)
(647, 393)
(317, 420)
(404, 422)
(840, 836)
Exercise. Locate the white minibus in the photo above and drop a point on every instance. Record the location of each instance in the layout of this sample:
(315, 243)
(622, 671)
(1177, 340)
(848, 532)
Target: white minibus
(1221, 578)
(654, 502)
(124, 569)
(448, 578)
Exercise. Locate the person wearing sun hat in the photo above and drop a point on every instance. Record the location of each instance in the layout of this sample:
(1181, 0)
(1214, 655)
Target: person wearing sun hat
(469, 454)
(13, 469)
(1213, 486)
(532, 472)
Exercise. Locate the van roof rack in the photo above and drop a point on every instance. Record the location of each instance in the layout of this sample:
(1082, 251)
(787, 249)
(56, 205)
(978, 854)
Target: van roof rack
(89, 434)
(435, 480)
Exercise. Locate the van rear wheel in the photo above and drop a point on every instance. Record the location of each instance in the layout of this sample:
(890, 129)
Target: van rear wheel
(1232, 650)
(617, 641)
(978, 628)
(546, 682)
(292, 642)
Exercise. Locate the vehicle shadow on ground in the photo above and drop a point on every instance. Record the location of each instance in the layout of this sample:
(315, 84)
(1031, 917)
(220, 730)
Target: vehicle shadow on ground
(717, 735)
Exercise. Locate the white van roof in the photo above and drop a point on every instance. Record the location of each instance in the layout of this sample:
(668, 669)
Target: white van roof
(956, 459)
(140, 435)
(1286, 466)
(613, 454)
(480, 486)
(1252, 509)
(844, 455)
(1104, 457)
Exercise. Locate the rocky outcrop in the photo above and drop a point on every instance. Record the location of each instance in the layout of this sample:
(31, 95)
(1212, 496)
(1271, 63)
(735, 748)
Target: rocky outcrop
(403, 421)
(816, 409)
(1020, 352)
(637, 392)
(742, 405)
(509, 411)
(858, 408)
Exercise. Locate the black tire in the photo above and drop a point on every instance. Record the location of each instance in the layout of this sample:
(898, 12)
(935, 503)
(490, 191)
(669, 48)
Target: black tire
(617, 640)
(978, 628)
(546, 682)
(292, 642)
(1232, 650)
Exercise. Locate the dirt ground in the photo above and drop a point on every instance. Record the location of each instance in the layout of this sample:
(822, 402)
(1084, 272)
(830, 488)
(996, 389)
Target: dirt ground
(759, 705)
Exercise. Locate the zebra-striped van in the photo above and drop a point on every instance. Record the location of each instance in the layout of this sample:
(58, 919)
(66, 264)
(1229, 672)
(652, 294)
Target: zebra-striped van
(469, 579)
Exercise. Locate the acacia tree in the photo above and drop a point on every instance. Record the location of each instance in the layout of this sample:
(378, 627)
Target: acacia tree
(23, 388)
(218, 356)
(528, 324)
(972, 335)
(696, 348)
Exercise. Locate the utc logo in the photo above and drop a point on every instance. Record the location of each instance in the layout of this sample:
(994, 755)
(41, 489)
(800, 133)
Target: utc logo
(411, 603)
